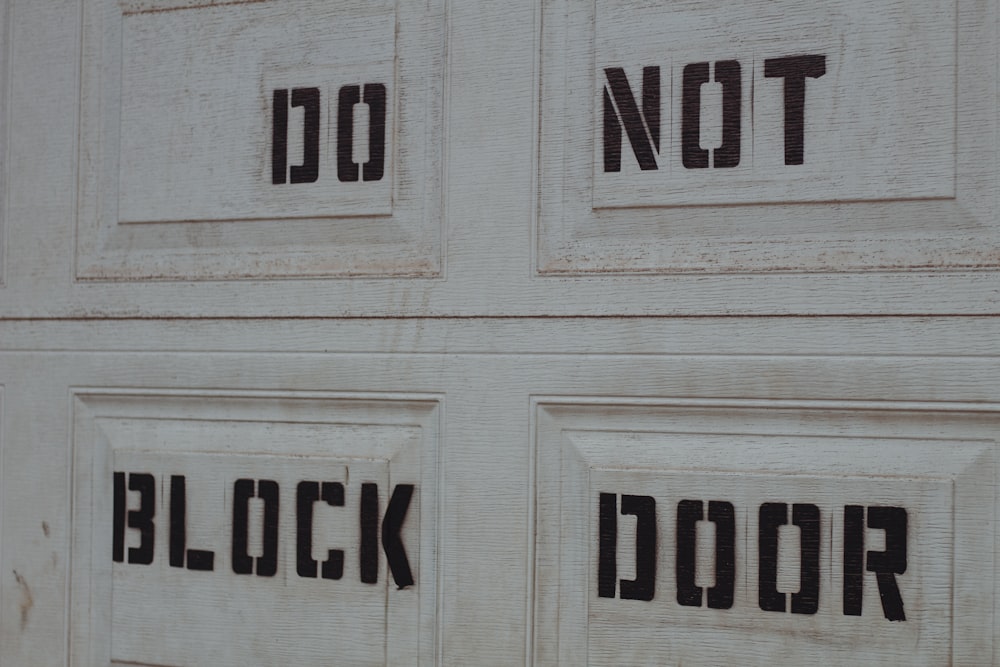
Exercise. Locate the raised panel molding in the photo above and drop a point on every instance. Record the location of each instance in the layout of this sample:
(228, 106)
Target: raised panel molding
(5, 50)
(620, 580)
(147, 464)
(300, 139)
(636, 174)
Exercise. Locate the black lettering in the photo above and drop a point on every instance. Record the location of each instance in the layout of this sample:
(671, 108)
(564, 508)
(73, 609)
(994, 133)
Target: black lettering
(723, 515)
(368, 552)
(727, 72)
(884, 564)
(770, 517)
(643, 586)
(306, 495)
(267, 564)
(333, 566)
(375, 98)
(795, 70)
(392, 524)
(118, 527)
(308, 171)
(612, 137)
(279, 137)
(196, 559)
(689, 513)
(806, 517)
(347, 169)
(607, 546)
(243, 491)
(693, 156)
(887, 564)
(854, 556)
(141, 519)
(641, 127)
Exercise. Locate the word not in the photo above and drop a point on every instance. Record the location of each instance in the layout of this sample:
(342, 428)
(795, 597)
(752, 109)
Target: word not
(371, 94)
(642, 125)
(885, 565)
(307, 494)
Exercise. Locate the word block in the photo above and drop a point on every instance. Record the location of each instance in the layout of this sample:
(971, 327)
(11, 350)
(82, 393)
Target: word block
(229, 534)
(307, 494)
(229, 530)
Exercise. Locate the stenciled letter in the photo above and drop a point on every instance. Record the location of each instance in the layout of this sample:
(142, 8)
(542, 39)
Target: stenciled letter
(641, 127)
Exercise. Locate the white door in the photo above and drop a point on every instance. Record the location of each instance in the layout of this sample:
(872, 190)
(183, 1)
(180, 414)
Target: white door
(534, 333)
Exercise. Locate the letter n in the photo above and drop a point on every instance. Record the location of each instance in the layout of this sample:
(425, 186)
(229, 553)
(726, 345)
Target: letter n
(641, 126)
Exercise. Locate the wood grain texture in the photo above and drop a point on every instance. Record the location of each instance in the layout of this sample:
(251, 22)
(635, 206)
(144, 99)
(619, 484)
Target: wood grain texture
(5, 49)
(677, 219)
(550, 361)
(178, 122)
(155, 609)
(874, 388)
(868, 258)
(744, 457)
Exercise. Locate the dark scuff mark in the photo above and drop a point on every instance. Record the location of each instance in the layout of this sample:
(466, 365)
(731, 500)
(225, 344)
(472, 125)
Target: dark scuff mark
(27, 600)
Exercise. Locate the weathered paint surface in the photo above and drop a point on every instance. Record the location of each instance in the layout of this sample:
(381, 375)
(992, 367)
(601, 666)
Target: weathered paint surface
(532, 420)
(527, 333)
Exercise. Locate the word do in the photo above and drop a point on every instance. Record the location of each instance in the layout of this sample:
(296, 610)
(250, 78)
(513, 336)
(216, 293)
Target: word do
(371, 94)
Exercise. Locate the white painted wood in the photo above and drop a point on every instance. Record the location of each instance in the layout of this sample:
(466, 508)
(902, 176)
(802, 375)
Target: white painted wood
(927, 207)
(5, 45)
(745, 457)
(878, 120)
(496, 111)
(198, 131)
(178, 122)
(161, 612)
(915, 341)
(498, 322)
(885, 404)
